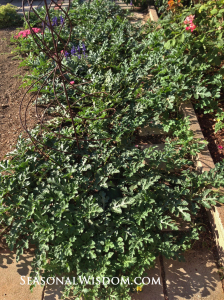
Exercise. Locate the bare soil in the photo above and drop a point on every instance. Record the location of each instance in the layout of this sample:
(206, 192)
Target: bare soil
(10, 93)
(150, 139)
(207, 123)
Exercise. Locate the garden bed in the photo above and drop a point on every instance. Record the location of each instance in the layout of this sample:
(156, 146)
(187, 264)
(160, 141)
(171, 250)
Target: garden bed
(90, 193)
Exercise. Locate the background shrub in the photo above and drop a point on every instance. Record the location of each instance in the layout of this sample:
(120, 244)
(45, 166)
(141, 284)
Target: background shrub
(9, 16)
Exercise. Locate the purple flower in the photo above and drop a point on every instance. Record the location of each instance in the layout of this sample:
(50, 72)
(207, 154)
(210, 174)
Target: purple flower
(79, 56)
(66, 54)
(83, 47)
(61, 20)
(78, 48)
(55, 21)
(73, 51)
(131, 3)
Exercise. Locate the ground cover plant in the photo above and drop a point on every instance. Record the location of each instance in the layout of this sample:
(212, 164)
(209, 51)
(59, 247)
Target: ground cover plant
(95, 208)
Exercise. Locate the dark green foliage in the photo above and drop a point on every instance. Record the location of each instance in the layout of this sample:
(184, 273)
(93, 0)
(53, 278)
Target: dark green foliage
(101, 211)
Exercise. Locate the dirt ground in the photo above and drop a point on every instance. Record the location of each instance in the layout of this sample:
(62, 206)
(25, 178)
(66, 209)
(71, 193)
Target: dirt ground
(216, 140)
(10, 93)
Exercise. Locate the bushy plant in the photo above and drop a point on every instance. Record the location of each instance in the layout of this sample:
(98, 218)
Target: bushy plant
(102, 210)
(201, 45)
(201, 39)
(9, 16)
(206, 40)
(102, 213)
(122, 50)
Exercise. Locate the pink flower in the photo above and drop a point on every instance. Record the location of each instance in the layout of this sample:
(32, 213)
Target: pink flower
(36, 30)
(25, 33)
(136, 146)
(220, 147)
(189, 19)
(54, 55)
(191, 27)
(19, 34)
(72, 82)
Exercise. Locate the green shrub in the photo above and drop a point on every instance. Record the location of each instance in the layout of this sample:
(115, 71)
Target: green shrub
(103, 213)
(99, 210)
(9, 16)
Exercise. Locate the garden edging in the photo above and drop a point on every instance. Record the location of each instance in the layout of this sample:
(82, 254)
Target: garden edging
(204, 162)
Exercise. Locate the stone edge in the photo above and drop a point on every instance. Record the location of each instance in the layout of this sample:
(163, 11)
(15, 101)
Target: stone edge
(204, 162)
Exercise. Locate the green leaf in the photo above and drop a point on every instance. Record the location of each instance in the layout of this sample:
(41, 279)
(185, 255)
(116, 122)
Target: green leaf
(186, 216)
(182, 38)
(167, 45)
(214, 11)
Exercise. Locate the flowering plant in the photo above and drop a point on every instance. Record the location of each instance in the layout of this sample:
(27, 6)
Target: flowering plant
(189, 20)
(55, 21)
(219, 125)
(208, 19)
(173, 5)
(25, 33)
(191, 27)
(75, 51)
